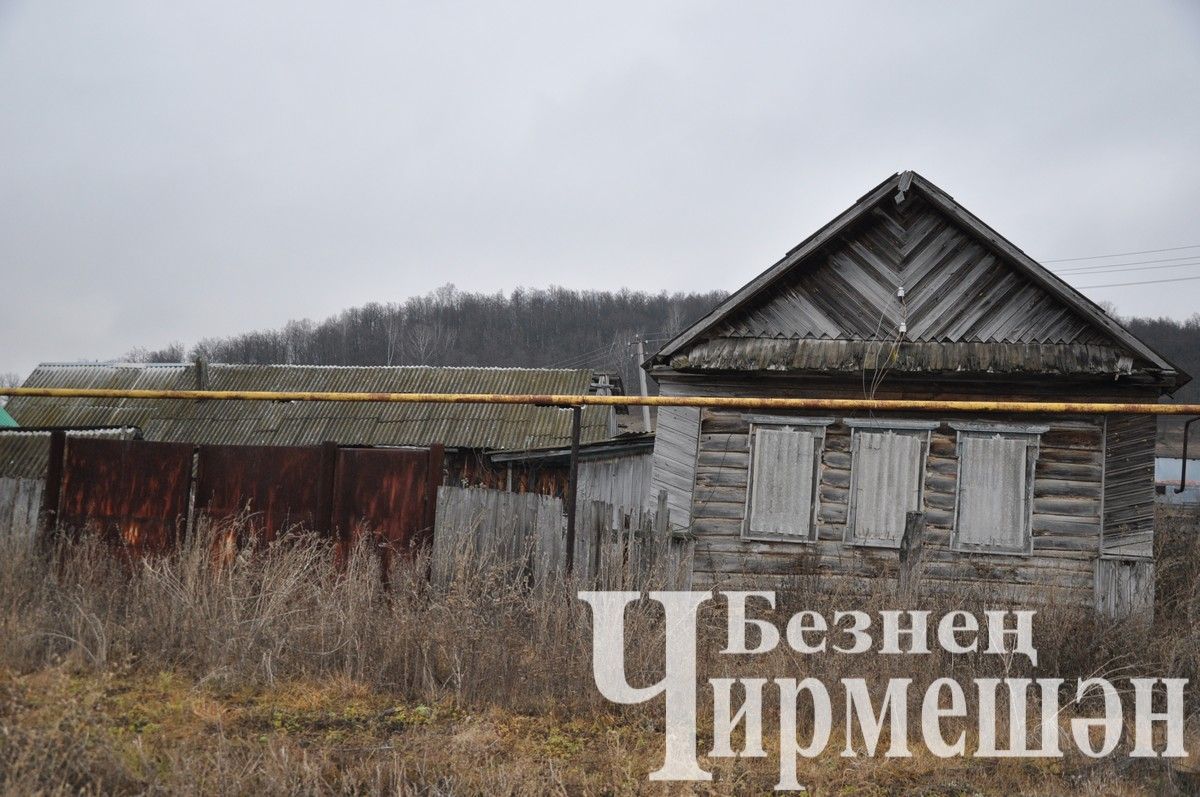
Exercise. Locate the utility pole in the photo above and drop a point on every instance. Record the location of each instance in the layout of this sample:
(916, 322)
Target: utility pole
(642, 380)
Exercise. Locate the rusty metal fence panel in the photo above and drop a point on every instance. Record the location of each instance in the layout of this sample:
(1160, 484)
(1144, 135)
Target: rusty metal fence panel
(134, 492)
(386, 492)
(139, 493)
(270, 489)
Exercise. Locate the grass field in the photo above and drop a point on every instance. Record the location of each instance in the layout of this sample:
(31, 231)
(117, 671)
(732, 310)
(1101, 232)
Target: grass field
(268, 672)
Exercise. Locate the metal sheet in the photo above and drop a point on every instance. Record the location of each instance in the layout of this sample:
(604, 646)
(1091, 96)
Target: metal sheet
(132, 492)
(386, 492)
(272, 488)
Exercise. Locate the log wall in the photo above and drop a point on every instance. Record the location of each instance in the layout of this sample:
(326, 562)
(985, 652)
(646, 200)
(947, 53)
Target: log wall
(1067, 510)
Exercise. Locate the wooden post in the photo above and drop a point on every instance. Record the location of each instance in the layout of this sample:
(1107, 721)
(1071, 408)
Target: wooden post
(437, 463)
(52, 492)
(326, 489)
(911, 545)
(573, 484)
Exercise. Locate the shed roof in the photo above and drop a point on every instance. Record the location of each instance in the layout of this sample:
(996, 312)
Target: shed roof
(486, 426)
(25, 453)
(972, 300)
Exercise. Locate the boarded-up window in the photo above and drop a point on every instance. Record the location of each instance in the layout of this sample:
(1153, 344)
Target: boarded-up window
(886, 475)
(783, 477)
(994, 510)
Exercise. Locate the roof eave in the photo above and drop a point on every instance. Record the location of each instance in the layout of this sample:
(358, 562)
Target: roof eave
(794, 255)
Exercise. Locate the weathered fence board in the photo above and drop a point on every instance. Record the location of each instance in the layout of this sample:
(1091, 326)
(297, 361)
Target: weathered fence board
(1124, 587)
(20, 505)
(614, 546)
(477, 529)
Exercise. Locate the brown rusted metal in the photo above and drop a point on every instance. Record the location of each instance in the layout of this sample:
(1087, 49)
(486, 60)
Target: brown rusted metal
(271, 489)
(133, 492)
(474, 469)
(728, 402)
(383, 492)
(325, 486)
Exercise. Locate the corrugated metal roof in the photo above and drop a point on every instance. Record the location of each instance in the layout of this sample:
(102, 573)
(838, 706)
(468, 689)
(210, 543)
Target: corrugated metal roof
(23, 455)
(6, 420)
(494, 426)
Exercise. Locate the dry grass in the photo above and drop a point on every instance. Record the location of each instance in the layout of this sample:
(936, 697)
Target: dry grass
(271, 672)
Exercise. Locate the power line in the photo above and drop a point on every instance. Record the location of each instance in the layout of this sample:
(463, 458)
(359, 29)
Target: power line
(1135, 268)
(1107, 267)
(583, 357)
(1123, 254)
(1143, 282)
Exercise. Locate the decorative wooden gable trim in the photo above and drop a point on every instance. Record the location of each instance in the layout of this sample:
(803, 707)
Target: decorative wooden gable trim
(962, 283)
(955, 290)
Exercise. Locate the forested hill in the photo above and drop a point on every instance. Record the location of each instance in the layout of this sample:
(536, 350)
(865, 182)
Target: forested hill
(535, 328)
(1178, 341)
(555, 327)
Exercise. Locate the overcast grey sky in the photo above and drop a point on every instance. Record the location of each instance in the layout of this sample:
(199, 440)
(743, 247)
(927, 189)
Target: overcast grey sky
(175, 170)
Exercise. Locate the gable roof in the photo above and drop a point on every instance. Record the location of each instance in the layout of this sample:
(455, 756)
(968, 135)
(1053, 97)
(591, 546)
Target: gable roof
(967, 287)
(485, 426)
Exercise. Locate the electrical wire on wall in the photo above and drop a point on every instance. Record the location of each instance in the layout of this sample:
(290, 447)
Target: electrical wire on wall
(879, 371)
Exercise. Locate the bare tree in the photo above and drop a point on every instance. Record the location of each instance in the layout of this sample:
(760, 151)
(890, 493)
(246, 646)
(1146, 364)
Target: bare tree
(393, 328)
(8, 379)
(1110, 309)
(171, 353)
(427, 343)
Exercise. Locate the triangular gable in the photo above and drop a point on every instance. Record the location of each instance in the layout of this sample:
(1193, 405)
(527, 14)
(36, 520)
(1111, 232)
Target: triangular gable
(963, 282)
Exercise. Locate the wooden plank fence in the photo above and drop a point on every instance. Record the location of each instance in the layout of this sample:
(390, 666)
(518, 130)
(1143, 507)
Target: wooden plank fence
(20, 504)
(524, 535)
(1124, 587)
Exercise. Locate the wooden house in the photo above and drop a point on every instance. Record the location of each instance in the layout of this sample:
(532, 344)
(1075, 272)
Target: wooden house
(908, 295)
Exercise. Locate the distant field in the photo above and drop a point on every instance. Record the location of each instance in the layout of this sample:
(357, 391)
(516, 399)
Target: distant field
(268, 673)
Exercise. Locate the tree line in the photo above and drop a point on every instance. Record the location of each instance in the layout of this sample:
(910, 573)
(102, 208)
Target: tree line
(535, 328)
(530, 328)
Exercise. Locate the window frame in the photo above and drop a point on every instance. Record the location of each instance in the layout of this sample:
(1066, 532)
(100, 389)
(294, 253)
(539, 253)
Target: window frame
(1032, 436)
(817, 427)
(923, 430)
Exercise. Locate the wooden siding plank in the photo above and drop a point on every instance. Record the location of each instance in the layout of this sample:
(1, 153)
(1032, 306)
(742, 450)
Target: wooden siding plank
(674, 465)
